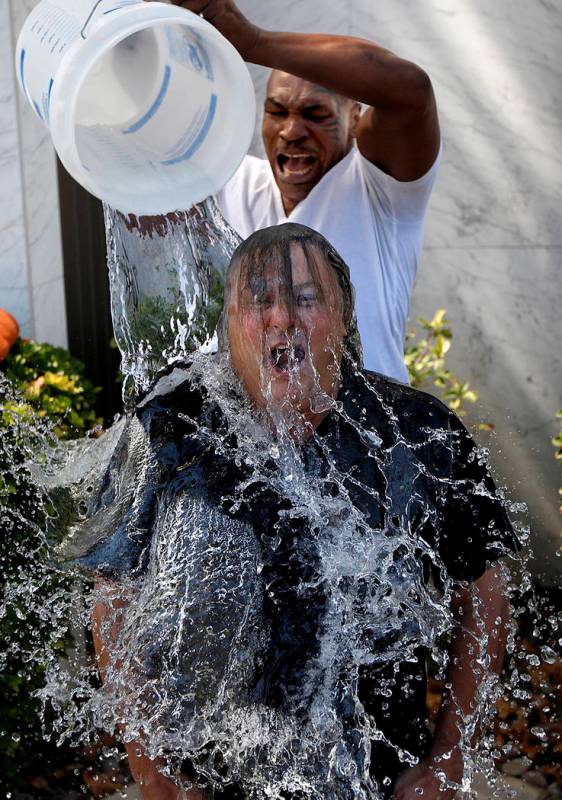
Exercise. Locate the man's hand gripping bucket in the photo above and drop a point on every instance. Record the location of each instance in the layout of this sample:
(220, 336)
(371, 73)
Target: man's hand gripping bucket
(149, 107)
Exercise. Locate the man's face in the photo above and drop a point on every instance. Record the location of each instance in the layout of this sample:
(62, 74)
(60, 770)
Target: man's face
(286, 341)
(306, 130)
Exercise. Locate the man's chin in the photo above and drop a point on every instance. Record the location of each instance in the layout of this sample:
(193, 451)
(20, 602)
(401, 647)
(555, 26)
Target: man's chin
(294, 189)
(285, 396)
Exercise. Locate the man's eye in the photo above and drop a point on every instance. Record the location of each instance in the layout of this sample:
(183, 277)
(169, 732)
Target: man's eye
(279, 113)
(306, 300)
(320, 117)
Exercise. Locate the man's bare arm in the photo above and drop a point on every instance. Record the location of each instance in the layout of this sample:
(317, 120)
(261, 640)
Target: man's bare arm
(400, 130)
(483, 613)
(107, 620)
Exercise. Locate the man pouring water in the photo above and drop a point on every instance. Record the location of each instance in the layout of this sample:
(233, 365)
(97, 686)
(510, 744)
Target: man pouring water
(361, 179)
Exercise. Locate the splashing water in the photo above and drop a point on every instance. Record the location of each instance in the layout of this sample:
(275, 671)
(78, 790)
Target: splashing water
(266, 597)
(270, 617)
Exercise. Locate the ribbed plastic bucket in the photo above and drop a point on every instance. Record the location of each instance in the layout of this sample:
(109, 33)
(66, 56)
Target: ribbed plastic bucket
(150, 108)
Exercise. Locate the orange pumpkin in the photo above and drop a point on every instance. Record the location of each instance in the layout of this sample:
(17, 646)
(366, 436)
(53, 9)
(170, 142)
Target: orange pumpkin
(9, 332)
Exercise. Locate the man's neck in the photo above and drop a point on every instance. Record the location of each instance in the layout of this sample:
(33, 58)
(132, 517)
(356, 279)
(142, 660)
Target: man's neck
(289, 205)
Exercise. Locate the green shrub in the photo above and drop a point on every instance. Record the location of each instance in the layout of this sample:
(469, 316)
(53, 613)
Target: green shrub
(43, 397)
(51, 381)
(425, 358)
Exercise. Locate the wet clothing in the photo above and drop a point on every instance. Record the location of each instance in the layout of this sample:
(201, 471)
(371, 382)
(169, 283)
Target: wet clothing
(374, 221)
(392, 469)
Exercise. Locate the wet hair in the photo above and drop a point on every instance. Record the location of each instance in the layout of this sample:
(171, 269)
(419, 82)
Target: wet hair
(273, 246)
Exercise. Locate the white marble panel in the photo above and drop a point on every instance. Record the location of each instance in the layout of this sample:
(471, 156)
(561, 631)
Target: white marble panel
(18, 303)
(14, 278)
(504, 321)
(496, 71)
(301, 16)
(50, 316)
(42, 218)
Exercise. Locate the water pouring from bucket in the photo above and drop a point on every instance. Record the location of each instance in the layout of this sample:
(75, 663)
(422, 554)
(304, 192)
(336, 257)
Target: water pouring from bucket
(149, 107)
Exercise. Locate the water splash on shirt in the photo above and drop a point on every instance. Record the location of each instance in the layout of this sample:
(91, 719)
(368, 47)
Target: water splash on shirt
(278, 615)
(282, 598)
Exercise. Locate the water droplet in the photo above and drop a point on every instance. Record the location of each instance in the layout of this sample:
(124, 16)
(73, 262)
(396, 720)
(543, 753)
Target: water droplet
(548, 654)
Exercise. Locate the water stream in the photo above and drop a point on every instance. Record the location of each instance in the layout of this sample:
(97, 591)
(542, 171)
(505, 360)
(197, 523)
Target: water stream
(166, 278)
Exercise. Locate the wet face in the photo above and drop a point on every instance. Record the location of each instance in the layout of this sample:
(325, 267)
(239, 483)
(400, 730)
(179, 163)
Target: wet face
(306, 130)
(286, 333)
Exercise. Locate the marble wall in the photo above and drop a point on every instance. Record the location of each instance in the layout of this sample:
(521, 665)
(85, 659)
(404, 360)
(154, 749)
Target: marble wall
(494, 238)
(31, 266)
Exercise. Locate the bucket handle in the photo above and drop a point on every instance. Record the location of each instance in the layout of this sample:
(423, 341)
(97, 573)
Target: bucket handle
(92, 12)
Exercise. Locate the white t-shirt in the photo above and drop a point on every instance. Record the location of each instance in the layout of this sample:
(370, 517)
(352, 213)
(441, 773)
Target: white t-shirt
(375, 223)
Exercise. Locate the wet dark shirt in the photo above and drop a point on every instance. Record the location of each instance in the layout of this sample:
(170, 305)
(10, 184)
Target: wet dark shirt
(408, 464)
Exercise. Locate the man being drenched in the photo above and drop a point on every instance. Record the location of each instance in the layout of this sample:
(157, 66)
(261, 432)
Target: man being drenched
(280, 540)
(368, 200)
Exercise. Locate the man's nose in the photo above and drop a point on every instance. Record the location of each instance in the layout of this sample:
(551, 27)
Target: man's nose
(281, 315)
(294, 128)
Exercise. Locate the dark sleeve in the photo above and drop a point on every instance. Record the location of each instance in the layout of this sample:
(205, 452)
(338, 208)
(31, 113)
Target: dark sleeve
(159, 439)
(473, 530)
(114, 539)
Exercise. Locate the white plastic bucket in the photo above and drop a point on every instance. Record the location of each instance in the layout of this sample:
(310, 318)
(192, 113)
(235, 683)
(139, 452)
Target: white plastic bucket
(150, 108)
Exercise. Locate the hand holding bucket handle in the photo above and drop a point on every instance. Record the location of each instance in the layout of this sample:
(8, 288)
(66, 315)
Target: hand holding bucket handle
(228, 20)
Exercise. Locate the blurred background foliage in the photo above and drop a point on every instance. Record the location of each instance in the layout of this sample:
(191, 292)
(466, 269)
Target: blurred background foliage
(51, 383)
(425, 357)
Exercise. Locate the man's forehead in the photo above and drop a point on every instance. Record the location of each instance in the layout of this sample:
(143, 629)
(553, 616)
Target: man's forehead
(308, 268)
(284, 87)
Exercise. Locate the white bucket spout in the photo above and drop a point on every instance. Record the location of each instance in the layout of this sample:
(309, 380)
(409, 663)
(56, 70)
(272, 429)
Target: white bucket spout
(148, 106)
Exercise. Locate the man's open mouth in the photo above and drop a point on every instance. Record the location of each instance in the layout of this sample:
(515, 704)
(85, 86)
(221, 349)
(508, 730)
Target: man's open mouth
(296, 165)
(285, 357)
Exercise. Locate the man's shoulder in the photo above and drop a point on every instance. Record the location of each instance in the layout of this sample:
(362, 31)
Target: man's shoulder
(247, 200)
(252, 170)
(413, 409)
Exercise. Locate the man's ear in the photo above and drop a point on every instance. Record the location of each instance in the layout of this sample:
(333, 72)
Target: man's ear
(355, 115)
